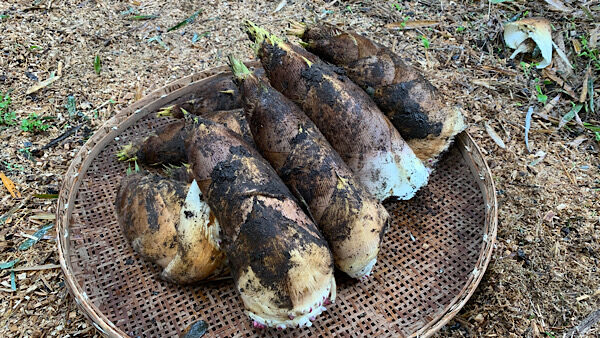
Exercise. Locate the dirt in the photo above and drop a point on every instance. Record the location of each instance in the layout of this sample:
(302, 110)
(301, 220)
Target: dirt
(543, 279)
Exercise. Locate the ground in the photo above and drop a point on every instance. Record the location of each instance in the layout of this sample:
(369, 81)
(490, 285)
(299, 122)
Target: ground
(543, 278)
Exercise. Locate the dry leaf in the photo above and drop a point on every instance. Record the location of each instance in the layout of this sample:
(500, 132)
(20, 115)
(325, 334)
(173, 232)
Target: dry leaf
(412, 24)
(549, 216)
(549, 106)
(576, 45)
(584, 89)
(43, 216)
(9, 185)
(565, 69)
(280, 6)
(558, 5)
(594, 38)
(540, 156)
(559, 81)
(43, 84)
(138, 91)
(494, 136)
(578, 141)
(527, 127)
(484, 83)
(537, 29)
(562, 54)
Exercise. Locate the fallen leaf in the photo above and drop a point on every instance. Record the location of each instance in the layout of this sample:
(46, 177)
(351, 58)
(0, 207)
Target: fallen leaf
(549, 106)
(562, 55)
(280, 6)
(527, 127)
(46, 196)
(561, 206)
(576, 46)
(412, 24)
(43, 84)
(97, 64)
(541, 155)
(538, 29)
(569, 116)
(9, 264)
(559, 81)
(13, 284)
(494, 136)
(9, 185)
(594, 38)
(562, 67)
(558, 5)
(578, 141)
(37, 235)
(44, 216)
(484, 83)
(190, 19)
(549, 216)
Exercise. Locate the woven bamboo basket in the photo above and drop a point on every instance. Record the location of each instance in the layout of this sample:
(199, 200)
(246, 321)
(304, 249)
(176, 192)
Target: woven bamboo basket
(431, 261)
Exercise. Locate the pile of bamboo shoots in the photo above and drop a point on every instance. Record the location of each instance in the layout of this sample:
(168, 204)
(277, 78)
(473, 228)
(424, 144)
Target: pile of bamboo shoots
(281, 180)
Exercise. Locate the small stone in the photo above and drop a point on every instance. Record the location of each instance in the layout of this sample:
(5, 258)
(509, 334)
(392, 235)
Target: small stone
(479, 318)
(529, 239)
(425, 246)
(195, 330)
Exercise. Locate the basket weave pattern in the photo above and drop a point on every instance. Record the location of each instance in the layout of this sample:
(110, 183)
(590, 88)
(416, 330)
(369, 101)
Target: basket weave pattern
(432, 258)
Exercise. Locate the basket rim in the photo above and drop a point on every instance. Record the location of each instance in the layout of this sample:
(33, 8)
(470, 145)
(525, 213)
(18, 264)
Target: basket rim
(489, 241)
(133, 113)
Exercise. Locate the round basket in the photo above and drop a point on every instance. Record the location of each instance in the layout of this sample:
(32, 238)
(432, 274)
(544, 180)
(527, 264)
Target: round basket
(432, 259)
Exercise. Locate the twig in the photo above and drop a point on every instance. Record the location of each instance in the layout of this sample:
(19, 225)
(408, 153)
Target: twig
(37, 267)
(56, 141)
(11, 211)
(584, 326)
(571, 178)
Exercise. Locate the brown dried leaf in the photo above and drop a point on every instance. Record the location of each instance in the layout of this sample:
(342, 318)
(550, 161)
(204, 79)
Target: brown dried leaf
(43, 216)
(559, 81)
(584, 89)
(412, 24)
(494, 136)
(578, 141)
(10, 186)
(549, 216)
(43, 84)
(576, 45)
(558, 5)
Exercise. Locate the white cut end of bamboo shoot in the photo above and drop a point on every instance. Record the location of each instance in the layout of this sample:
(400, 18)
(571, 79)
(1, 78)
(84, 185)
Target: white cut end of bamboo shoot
(365, 271)
(396, 174)
(300, 317)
